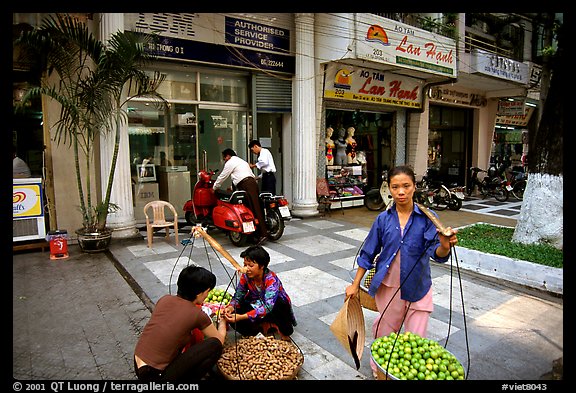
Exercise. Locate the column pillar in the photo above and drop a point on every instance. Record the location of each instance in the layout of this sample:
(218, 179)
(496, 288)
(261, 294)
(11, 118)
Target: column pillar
(122, 222)
(304, 152)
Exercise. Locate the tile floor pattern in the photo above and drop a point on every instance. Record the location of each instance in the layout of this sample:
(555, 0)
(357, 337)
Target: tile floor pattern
(492, 207)
(314, 259)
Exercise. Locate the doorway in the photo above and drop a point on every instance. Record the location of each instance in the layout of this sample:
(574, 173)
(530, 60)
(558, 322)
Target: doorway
(269, 133)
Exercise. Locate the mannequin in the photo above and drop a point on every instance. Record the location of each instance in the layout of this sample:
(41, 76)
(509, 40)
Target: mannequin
(351, 146)
(330, 146)
(341, 148)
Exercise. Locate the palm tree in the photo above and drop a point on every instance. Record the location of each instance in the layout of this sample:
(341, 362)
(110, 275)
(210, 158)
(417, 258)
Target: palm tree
(91, 81)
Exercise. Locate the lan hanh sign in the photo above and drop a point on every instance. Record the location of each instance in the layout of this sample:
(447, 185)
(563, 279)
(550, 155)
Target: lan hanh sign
(346, 82)
(387, 41)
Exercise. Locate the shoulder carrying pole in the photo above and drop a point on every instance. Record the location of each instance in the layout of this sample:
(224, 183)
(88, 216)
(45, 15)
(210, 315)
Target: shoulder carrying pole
(435, 220)
(218, 248)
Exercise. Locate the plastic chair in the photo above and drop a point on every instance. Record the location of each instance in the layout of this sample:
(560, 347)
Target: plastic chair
(159, 219)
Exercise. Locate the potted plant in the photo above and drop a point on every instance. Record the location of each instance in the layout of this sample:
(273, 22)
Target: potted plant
(92, 81)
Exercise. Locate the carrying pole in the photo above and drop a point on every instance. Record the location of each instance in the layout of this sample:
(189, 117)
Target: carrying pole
(443, 230)
(218, 247)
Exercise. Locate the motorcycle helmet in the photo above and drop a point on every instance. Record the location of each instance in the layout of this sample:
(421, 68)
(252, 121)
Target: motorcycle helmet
(492, 171)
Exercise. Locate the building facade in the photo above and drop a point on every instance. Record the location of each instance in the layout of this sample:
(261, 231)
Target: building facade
(392, 88)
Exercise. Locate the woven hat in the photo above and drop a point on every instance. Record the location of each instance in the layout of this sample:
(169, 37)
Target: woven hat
(349, 328)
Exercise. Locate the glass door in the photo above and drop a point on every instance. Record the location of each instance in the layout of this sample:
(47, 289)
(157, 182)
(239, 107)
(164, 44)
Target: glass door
(163, 153)
(219, 129)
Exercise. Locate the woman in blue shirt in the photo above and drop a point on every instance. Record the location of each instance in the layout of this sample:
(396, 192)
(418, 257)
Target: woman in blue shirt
(400, 244)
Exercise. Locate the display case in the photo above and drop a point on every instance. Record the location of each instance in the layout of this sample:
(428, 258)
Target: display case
(348, 182)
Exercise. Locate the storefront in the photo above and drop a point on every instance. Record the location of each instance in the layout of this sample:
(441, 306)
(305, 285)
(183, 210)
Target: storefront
(227, 81)
(451, 125)
(169, 145)
(450, 130)
(365, 111)
(510, 144)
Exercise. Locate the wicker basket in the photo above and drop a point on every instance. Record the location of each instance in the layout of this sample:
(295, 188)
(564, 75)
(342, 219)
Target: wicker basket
(366, 300)
(241, 348)
(381, 373)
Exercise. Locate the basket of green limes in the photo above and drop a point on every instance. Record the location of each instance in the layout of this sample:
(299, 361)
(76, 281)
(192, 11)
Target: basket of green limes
(411, 357)
(216, 300)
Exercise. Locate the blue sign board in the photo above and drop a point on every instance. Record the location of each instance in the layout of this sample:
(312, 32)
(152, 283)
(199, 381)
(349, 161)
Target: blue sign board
(256, 35)
(181, 49)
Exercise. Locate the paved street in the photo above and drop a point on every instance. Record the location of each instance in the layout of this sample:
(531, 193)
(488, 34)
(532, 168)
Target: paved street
(98, 317)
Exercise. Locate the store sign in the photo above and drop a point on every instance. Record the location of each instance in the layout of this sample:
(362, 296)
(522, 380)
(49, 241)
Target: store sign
(387, 41)
(346, 82)
(215, 38)
(516, 120)
(448, 94)
(511, 108)
(219, 121)
(186, 119)
(500, 67)
(26, 200)
(256, 35)
(535, 71)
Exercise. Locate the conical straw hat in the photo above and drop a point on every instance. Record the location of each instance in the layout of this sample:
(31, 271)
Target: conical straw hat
(349, 328)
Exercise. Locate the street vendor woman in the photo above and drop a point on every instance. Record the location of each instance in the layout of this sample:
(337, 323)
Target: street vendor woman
(400, 244)
(260, 302)
(180, 342)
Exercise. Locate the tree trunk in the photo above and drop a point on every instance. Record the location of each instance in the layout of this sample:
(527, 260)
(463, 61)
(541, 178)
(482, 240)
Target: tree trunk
(541, 218)
(541, 215)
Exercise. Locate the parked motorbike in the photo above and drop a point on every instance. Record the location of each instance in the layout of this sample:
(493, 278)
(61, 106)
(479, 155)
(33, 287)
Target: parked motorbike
(276, 211)
(379, 198)
(231, 212)
(517, 180)
(491, 185)
(434, 194)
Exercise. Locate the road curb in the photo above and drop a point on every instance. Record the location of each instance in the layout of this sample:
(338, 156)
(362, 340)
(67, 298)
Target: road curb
(533, 275)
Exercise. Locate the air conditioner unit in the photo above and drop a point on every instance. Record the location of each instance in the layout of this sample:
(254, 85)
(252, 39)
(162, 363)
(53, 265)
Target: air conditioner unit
(28, 229)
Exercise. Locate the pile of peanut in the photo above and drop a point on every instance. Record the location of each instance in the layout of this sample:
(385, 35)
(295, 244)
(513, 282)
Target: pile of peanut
(265, 358)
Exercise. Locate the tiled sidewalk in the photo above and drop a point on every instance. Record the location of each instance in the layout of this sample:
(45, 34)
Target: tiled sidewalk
(314, 260)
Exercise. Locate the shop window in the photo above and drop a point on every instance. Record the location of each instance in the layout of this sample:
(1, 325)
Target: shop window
(177, 85)
(447, 143)
(373, 135)
(221, 88)
(163, 152)
(221, 129)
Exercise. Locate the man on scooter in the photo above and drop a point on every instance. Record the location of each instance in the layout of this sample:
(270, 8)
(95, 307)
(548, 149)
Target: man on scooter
(243, 179)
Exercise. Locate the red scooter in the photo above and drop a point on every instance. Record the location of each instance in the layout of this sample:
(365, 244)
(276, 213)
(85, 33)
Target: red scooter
(230, 213)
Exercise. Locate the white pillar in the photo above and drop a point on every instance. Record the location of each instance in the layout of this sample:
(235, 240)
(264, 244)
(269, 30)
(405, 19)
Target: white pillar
(122, 222)
(304, 152)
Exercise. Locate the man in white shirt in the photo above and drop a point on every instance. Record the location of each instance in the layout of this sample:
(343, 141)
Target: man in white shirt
(265, 165)
(242, 179)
